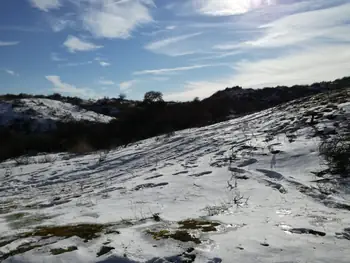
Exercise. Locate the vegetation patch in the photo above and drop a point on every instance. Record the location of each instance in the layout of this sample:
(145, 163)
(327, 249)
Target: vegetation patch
(23, 220)
(204, 226)
(16, 216)
(58, 251)
(84, 231)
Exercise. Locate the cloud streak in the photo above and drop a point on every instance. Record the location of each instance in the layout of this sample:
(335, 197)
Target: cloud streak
(165, 71)
(8, 43)
(169, 41)
(11, 72)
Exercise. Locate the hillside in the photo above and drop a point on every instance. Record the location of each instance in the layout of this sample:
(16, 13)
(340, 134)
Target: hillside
(42, 114)
(252, 189)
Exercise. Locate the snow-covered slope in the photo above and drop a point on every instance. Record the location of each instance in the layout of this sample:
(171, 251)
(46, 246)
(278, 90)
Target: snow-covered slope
(46, 112)
(246, 184)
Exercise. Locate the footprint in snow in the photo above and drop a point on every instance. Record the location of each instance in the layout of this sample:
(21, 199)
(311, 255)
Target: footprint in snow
(201, 174)
(271, 174)
(181, 172)
(247, 162)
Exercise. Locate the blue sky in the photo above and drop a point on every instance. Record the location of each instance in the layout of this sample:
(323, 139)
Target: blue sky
(183, 48)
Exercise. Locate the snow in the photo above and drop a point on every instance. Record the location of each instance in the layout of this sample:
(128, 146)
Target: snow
(45, 112)
(275, 154)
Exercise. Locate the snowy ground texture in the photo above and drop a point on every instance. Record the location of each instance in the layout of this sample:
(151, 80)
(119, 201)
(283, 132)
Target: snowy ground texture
(46, 111)
(248, 185)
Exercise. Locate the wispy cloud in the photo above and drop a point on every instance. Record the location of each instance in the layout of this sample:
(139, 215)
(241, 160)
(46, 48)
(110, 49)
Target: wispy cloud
(46, 5)
(61, 87)
(75, 64)
(165, 71)
(106, 82)
(160, 78)
(8, 43)
(115, 19)
(159, 44)
(55, 57)
(11, 72)
(317, 25)
(74, 44)
(126, 85)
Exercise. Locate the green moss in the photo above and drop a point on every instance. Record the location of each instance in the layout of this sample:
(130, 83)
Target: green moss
(162, 234)
(84, 231)
(23, 220)
(58, 251)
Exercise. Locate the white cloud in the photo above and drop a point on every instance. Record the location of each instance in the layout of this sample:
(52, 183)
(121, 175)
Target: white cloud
(154, 46)
(104, 64)
(74, 44)
(58, 25)
(116, 19)
(126, 85)
(11, 72)
(8, 43)
(106, 82)
(201, 89)
(174, 70)
(55, 57)
(313, 64)
(228, 8)
(62, 87)
(46, 5)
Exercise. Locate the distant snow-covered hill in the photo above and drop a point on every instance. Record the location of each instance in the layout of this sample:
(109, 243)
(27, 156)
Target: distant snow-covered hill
(42, 114)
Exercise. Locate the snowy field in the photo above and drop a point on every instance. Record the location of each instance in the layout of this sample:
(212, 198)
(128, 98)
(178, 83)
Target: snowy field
(47, 110)
(244, 190)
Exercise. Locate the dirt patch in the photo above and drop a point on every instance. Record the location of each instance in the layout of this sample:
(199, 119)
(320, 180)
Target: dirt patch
(154, 177)
(104, 250)
(200, 174)
(307, 231)
(180, 235)
(149, 185)
(58, 251)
